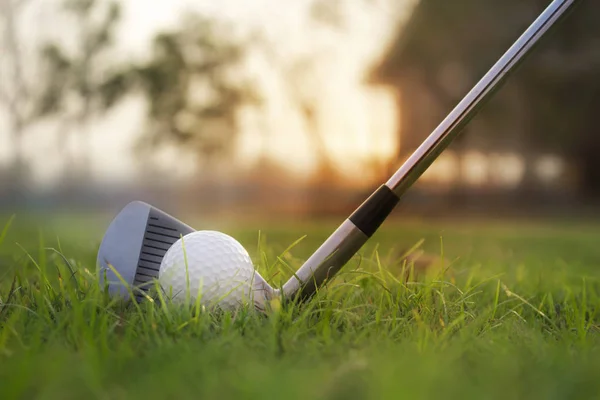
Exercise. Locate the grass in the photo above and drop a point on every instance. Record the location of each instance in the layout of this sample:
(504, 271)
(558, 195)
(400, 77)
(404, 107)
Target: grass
(513, 313)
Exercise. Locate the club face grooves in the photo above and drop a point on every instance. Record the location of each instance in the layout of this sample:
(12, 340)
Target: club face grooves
(161, 232)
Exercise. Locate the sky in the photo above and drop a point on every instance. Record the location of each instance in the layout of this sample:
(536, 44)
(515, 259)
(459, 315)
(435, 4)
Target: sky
(359, 123)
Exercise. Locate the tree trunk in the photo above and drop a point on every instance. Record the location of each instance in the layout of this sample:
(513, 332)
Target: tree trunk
(83, 164)
(15, 95)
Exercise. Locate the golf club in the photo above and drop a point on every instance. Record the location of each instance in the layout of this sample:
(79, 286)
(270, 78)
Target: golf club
(139, 236)
(350, 236)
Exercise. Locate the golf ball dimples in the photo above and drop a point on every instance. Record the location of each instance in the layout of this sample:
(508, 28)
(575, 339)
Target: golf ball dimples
(220, 270)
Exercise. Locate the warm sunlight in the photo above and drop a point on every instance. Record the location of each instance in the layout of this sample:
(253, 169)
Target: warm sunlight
(357, 124)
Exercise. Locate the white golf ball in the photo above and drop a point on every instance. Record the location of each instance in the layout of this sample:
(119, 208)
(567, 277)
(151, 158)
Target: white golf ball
(214, 265)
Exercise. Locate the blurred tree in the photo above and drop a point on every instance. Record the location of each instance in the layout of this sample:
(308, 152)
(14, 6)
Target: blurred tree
(303, 91)
(302, 85)
(16, 95)
(77, 85)
(546, 106)
(328, 13)
(334, 17)
(194, 89)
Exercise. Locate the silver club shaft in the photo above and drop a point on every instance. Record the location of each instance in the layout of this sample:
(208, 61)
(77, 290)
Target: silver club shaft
(341, 246)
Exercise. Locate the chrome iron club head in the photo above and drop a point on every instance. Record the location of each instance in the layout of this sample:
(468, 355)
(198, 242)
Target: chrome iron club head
(134, 245)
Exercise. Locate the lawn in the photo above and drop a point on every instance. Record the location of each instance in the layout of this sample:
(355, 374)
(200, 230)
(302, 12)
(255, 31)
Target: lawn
(511, 313)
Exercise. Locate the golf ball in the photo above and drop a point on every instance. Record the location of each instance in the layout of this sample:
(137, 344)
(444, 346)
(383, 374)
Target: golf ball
(212, 265)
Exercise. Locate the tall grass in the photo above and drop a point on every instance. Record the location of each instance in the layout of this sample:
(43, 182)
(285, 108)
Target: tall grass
(370, 333)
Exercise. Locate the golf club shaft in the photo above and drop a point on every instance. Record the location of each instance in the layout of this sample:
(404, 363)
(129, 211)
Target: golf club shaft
(339, 248)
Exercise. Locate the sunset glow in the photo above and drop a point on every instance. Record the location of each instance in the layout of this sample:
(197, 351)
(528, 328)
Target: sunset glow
(357, 123)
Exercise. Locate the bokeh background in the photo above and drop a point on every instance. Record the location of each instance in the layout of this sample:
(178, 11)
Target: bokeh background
(291, 108)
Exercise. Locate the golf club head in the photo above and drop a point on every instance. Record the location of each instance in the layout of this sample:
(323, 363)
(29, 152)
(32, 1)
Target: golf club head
(134, 245)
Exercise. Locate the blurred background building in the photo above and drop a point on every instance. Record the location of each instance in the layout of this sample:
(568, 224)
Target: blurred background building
(291, 107)
(535, 144)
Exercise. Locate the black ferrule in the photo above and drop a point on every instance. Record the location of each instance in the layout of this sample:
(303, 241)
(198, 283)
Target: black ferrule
(371, 214)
